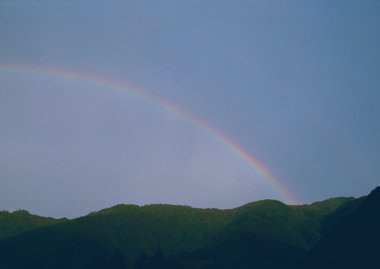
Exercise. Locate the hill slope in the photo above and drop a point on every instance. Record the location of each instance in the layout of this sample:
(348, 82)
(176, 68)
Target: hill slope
(352, 239)
(22, 221)
(265, 234)
(128, 236)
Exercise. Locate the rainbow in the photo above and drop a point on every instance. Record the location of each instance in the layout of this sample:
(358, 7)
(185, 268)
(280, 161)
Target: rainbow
(233, 146)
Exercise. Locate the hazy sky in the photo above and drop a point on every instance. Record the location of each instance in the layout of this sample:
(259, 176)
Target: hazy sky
(295, 83)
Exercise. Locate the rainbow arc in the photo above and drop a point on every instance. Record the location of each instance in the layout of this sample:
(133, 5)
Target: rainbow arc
(248, 158)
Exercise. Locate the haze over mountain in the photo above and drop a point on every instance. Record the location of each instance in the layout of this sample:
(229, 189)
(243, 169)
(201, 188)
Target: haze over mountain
(335, 233)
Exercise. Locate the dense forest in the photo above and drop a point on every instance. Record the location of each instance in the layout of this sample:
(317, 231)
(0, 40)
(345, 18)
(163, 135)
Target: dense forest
(335, 233)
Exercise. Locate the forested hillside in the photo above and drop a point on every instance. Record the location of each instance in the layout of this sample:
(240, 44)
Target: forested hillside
(263, 234)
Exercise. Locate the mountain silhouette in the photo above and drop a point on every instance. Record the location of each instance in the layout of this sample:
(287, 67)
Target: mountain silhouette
(353, 241)
(21, 221)
(335, 233)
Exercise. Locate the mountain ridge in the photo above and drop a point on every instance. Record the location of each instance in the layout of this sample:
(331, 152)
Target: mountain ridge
(150, 235)
(16, 222)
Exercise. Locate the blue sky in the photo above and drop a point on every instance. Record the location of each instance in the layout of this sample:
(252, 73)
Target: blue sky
(295, 83)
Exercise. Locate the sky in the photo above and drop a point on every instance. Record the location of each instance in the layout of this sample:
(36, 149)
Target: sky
(107, 102)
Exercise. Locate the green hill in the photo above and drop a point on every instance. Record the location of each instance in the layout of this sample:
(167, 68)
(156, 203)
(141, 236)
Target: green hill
(21, 221)
(129, 236)
(298, 226)
(352, 237)
(265, 234)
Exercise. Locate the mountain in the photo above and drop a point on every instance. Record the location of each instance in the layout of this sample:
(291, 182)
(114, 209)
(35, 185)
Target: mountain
(352, 238)
(126, 229)
(21, 221)
(264, 234)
